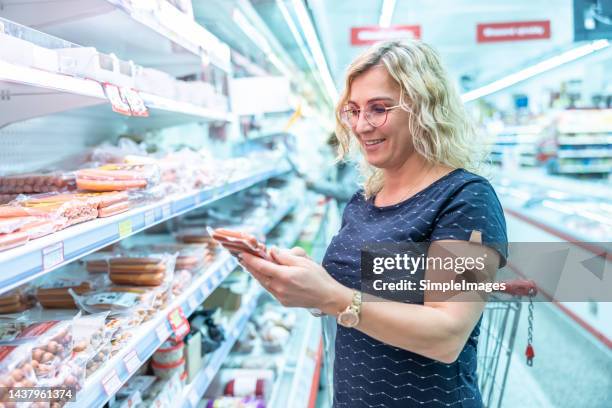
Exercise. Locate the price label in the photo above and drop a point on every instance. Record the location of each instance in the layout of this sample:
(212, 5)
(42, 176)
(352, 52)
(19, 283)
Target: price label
(53, 255)
(194, 398)
(178, 322)
(135, 102)
(162, 332)
(125, 228)
(193, 303)
(167, 211)
(209, 372)
(118, 104)
(132, 362)
(111, 383)
(149, 217)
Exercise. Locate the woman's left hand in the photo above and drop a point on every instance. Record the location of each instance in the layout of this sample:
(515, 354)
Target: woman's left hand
(295, 280)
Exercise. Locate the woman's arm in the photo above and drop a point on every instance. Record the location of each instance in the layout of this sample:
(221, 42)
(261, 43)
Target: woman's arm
(437, 329)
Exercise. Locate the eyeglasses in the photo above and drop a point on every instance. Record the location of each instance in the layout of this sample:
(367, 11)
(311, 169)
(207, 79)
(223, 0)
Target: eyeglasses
(375, 114)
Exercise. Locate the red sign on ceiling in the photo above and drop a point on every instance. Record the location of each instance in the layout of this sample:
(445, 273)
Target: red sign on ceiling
(374, 34)
(515, 31)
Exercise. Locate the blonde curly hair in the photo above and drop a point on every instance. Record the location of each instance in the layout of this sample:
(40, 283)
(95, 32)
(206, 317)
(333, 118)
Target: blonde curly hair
(441, 130)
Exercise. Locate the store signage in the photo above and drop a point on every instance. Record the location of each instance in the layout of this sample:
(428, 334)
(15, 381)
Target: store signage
(373, 34)
(513, 31)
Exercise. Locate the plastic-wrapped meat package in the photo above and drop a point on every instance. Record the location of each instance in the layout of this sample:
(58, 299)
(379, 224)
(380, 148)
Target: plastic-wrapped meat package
(16, 301)
(7, 198)
(52, 344)
(64, 210)
(37, 183)
(55, 294)
(118, 177)
(92, 340)
(16, 368)
(141, 268)
(107, 203)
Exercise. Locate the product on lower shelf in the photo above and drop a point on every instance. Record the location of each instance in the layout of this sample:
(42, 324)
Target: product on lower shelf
(56, 295)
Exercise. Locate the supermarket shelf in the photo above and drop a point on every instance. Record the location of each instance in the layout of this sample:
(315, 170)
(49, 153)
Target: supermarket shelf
(584, 153)
(585, 140)
(150, 336)
(22, 264)
(32, 93)
(152, 33)
(294, 381)
(192, 394)
(584, 168)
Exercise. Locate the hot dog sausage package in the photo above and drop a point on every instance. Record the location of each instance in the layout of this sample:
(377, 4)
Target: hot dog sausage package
(131, 302)
(235, 241)
(118, 177)
(54, 293)
(17, 300)
(134, 268)
(37, 183)
(107, 203)
(63, 209)
(190, 257)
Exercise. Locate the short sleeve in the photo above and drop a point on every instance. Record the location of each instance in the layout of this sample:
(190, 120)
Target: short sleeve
(474, 206)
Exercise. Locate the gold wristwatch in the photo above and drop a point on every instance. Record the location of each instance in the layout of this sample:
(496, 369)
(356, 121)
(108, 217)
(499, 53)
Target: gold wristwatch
(350, 316)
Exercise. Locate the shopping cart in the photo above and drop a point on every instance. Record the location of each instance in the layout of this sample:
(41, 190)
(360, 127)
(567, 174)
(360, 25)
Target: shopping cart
(496, 341)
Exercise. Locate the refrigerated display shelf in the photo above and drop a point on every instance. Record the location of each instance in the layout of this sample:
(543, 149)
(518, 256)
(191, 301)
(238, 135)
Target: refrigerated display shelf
(40, 256)
(192, 394)
(584, 168)
(585, 140)
(585, 153)
(149, 337)
(151, 33)
(56, 93)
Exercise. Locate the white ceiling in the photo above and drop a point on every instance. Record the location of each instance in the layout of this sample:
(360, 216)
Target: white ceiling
(450, 26)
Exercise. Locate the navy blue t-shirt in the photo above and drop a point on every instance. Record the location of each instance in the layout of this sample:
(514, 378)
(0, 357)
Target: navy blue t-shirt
(369, 373)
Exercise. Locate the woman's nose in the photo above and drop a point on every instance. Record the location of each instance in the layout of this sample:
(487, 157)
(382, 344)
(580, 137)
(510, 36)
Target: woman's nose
(362, 125)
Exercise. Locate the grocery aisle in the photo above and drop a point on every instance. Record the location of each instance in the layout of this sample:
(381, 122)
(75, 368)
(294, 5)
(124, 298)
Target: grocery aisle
(144, 143)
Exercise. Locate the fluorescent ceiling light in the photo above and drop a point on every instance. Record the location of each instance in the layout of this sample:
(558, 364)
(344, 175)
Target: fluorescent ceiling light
(259, 39)
(315, 47)
(294, 31)
(536, 69)
(386, 13)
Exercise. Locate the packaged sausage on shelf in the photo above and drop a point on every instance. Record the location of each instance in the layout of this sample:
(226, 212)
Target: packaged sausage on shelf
(118, 177)
(17, 300)
(65, 210)
(37, 183)
(52, 343)
(16, 368)
(55, 294)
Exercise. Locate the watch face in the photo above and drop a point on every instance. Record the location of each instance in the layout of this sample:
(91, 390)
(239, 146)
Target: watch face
(348, 319)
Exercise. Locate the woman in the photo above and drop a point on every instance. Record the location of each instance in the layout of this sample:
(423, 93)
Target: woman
(400, 110)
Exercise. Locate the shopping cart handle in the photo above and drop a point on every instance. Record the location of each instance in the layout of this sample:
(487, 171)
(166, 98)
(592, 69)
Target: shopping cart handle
(521, 287)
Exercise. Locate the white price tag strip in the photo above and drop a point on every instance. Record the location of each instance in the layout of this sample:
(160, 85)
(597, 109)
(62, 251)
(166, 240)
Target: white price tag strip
(209, 372)
(132, 362)
(162, 332)
(149, 217)
(111, 383)
(194, 398)
(53, 255)
(193, 303)
(167, 211)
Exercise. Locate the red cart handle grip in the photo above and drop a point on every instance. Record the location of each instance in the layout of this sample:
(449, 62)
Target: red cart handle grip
(521, 287)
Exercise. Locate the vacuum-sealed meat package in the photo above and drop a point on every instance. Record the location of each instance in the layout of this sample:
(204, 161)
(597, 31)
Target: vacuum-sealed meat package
(118, 177)
(37, 183)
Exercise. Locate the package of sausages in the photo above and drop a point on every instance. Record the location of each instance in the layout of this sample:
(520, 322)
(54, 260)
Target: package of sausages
(134, 268)
(52, 344)
(236, 242)
(64, 210)
(129, 302)
(117, 177)
(16, 368)
(196, 235)
(37, 183)
(55, 294)
(16, 301)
